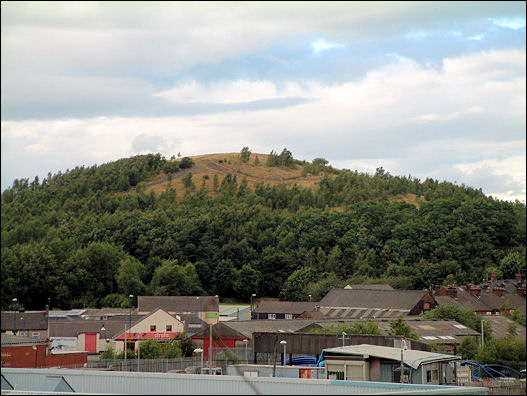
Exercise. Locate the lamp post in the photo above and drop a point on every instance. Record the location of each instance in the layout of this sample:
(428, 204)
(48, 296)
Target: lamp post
(309, 297)
(15, 308)
(403, 347)
(246, 341)
(131, 296)
(200, 351)
(284, 343)
(138, 351)
(252, 308)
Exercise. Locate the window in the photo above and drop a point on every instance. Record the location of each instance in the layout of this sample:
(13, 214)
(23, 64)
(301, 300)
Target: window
(271, 316)
(426, 305)
(289, 316)
(152, 327)
(169, 327)
(35, 334)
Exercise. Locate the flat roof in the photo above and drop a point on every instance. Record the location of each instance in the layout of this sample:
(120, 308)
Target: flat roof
(411, 357)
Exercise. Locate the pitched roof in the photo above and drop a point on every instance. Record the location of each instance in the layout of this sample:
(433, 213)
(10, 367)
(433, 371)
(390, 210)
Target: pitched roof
(500, 324)
(245, 328)
(178, 303)
(429, 330)
(412, 358)
(464, 300)
(368, 298)
(72, 328)
(293, 307)
(494, 301)
(380, 286)
(11, 340)
(28, 320)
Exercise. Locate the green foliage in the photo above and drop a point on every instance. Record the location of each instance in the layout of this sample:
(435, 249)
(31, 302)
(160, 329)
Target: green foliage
(464, 316)
(502, 349)
(398, 327)
(285, 159)
(109, 353)
(517, 317)
(467, 348)
(70, 236)
(295, 286)
(186, 162)
(369, 327)
(245, 154)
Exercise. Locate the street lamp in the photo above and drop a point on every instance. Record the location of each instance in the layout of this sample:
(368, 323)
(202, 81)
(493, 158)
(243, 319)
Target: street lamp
(131, 296)
(309, 297)
(252, 299)
(403, 347)
(15, 307)
(246, 341)
(200, 351)
(284, 343)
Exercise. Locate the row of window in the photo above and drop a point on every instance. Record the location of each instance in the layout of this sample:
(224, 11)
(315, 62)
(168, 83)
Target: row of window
(34, 334)
(273, 316)
(154, 328)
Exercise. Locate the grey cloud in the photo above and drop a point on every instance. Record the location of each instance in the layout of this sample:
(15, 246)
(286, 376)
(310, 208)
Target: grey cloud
(143, 142)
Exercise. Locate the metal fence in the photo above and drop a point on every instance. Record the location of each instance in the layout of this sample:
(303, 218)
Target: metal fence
(221, 358)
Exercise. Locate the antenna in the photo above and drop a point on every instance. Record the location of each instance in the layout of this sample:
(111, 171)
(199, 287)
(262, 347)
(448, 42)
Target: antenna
(343, 338)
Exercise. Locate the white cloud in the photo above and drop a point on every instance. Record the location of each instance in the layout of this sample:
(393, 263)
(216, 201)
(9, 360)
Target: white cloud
(511, 23)
(321, 44)
(238, 91)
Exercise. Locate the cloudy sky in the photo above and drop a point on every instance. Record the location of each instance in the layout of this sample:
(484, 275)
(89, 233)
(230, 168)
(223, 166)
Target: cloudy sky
(423, 89)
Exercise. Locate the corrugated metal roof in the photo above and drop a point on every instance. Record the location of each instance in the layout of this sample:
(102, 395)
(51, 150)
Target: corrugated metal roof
(367, 298)
(411, 357)
(178, 303)
(108, 382)
(294, 307)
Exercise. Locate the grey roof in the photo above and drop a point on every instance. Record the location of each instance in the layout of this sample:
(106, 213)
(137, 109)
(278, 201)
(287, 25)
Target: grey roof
(368, 298)
(499, 325)
(94, 313)
(464, 300)
(429, 330)
(494, 301)
(411, 357)
(9, 339)
(178, 304)
(379, 286)
(74, 327)
(246, 328)
(28, 320)
(292, 307)
(59, 313)
(362, 313)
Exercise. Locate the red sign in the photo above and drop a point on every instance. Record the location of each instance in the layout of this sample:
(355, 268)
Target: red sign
(148, 336)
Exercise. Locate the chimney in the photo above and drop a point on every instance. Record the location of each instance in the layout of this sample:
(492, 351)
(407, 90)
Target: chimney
(475, 291)
(451, 291)
(521, 290)
(498, 291)
(519, 278)
(47, 310)
(494, 276)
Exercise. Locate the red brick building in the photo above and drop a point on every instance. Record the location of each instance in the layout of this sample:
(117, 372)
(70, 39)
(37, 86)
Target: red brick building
(19, 351)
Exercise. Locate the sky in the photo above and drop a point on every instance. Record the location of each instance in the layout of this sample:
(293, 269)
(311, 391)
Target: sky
(426, 89)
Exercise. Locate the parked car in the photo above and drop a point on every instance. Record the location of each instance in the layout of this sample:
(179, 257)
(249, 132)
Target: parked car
(210, 370)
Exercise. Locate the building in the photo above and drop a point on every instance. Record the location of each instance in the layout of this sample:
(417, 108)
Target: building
(21, 351)
(205, 307)
(443, 334)
(281, 309)
(32, 324)
(383, 364)
(361, 303)
(500, 326)
(116, 382)
(234, 312)
(380, 286)
(231, 334)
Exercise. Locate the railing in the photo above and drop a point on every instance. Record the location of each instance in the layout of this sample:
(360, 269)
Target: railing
(505, 386)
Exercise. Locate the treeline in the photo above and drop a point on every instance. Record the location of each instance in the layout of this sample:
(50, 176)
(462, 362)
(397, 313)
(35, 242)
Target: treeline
(72, 239)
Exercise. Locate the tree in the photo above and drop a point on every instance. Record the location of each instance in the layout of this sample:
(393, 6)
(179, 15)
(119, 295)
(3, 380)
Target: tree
(467, 348)
(295, 286)
(398, 327)
(245, 154)
(130, 275)
(150, 349)
(172, 279)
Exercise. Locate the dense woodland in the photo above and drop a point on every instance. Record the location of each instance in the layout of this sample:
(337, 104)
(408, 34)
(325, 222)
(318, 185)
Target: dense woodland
(78, 239)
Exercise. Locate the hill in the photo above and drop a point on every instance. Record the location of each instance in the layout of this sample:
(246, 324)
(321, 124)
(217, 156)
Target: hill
(231, 225)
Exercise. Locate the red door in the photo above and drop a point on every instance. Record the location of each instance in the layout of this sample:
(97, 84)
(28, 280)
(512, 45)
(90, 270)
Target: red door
(90, 342)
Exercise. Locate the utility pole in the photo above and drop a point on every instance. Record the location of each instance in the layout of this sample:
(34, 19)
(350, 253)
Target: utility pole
(344, 334)
(210, 348)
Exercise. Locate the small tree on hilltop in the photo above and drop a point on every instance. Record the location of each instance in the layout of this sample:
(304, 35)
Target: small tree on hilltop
(245, 154)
